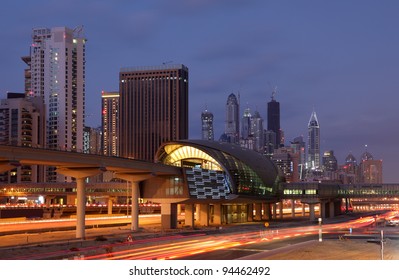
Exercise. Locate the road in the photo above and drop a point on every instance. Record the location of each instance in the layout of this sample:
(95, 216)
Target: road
(230, 242)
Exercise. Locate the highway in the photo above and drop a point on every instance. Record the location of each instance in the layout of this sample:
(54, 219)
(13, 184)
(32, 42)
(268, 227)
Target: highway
(230, 242)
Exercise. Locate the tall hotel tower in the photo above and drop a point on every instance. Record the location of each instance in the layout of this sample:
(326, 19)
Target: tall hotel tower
(57, 63)
(273, 119)
(110, 125)
(232, 127)
(313, 161)
(207, 125)
(153, 108)
(57, 74)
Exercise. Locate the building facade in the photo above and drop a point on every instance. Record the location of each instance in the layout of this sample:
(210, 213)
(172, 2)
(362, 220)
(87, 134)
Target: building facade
(22, 123)
(207, 126)
(110, 123)
(153, 108)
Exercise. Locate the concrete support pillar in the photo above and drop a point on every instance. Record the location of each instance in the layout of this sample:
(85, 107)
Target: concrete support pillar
(258, 211)
(197, 213)
(80, 174)
(266, 211)
(110, 205)
(204, 215)
(80, 208)
(274, 209)
(169, 215)
(135, 179)
(250, 212)
(303, 209)
(135, 206)
(217, 214)
(280, 207)
(332, 210)
(293, 208)
(323, 209)
(189, 210)
(312, 216)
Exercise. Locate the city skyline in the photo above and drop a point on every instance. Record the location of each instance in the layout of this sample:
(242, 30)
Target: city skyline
(338, 58)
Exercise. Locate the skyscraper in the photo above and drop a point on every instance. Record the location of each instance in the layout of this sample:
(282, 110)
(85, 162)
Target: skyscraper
(329, 161)
(313, 161)
(273, 119)
(110, 123)
(153, 108)
(246, 124)
(207, 125)
(257, 132)
(232, 126)
(299, 147)
(57, 73)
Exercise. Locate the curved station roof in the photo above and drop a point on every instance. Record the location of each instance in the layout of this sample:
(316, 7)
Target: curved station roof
(247, 172)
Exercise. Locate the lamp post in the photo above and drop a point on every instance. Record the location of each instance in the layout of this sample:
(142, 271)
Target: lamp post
(320, 231)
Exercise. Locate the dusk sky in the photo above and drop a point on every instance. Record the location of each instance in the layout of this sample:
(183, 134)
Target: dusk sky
(339, 58)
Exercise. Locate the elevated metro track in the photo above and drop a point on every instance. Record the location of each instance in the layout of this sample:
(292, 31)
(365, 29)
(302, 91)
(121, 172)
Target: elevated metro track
(13, 156)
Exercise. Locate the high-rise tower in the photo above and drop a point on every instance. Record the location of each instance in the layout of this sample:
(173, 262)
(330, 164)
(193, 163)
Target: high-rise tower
(232, 126)
(110, 125)
(56, 72)
(153, 108)
(257, 132)
(313, 161)
(273, 119)
(207, 125)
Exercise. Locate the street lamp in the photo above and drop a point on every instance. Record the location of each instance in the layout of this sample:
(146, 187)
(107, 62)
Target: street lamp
(320, 231)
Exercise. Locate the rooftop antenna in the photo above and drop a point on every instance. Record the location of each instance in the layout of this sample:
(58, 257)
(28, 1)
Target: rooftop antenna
(167, 62)
(274, 90)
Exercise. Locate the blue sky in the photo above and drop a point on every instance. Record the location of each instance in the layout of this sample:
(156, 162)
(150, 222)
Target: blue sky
(338, 57)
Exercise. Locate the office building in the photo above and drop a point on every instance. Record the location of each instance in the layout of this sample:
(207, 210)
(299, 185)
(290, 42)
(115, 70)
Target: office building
(153, 109)
(273, 119)
(246, 119)
(92, 140)
(257, 132)
(370, 170)
(298, 145)
(329, 161)
(232, 126)
(110, 123)
(286, 159)
(313, 159)
(207, 125)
